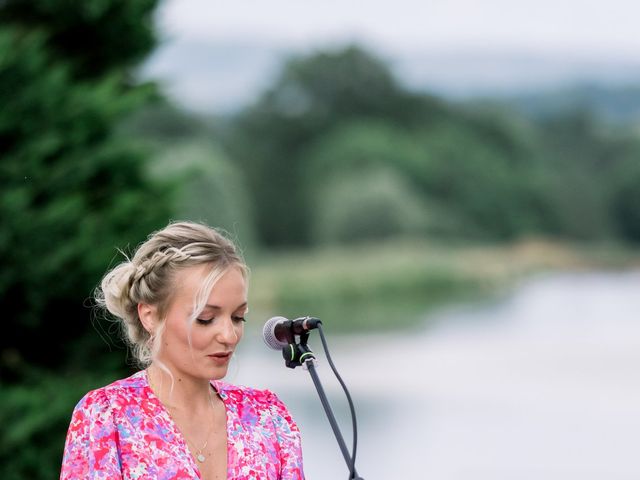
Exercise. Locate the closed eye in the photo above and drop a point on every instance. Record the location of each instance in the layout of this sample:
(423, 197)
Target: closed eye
(208, 321)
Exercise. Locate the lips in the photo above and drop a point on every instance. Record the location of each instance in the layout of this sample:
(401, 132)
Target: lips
(221, 355)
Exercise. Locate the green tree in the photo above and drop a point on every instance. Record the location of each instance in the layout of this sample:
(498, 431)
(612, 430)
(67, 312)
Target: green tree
(367, 190)
(466, 180)
(72, 190)
(374, 205)
(480, 169)
(625, 195)
(578, 154)
(486, 186)
(91, 38)
(311, 97)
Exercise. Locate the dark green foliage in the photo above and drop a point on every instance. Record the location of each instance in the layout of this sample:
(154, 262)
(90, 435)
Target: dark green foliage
(92, 37)
(626, 197)
(71, 190)
(360, 184)
(375, 205)
(311, 146)
(35, 416)
(478, 179)
(314, 145)
(310, 98)
(578, 154)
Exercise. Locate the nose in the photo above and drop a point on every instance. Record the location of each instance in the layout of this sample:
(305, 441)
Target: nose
(227, 333)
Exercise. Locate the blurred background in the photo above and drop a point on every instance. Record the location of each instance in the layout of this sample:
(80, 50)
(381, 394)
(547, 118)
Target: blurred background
(452, 187)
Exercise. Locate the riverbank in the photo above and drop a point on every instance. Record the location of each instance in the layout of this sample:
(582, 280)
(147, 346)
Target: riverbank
(392, 285)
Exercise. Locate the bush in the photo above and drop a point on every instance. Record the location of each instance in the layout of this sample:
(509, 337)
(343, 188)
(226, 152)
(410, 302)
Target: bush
(625, 202)
(377, 204)
(35, 416)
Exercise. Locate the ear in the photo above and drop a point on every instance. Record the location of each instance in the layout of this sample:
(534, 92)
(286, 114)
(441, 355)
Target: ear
(148, 316)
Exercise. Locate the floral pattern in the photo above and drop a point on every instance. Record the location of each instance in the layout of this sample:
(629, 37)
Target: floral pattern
(122, 431)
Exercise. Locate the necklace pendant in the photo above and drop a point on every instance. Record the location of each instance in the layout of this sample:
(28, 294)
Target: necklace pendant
(200, 457)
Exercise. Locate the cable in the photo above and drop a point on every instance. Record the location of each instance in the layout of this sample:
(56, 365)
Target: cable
(352, 468)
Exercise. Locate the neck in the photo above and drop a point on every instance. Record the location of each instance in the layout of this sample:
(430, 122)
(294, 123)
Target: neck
(181, 393)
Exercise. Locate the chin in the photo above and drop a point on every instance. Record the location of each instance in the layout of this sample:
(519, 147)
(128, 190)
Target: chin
(216, 373)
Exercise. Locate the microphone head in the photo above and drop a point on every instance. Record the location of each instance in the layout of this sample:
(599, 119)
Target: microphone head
(269, 333)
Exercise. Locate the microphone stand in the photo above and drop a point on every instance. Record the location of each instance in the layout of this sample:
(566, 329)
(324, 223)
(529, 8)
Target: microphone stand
(298, 354)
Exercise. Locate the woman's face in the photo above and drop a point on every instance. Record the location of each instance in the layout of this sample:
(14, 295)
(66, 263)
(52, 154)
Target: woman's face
(216, 331)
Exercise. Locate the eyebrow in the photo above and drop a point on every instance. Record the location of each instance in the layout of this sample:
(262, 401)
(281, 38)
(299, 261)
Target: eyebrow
(216, 307)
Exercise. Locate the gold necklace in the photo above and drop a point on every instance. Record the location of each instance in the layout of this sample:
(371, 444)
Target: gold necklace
(199, 455)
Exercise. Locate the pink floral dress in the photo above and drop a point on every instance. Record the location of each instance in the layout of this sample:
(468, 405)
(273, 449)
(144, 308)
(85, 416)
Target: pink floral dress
(122, 431)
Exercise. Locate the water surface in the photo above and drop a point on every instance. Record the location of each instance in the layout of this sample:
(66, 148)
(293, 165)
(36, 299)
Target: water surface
(544, 384)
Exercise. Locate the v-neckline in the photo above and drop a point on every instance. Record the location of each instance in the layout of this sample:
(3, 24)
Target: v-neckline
(168, 419)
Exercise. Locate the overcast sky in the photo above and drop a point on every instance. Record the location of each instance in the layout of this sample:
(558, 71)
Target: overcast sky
(583, 27)
(220, 55)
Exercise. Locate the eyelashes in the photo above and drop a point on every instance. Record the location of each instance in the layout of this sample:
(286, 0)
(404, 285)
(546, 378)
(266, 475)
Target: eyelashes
(208, 321)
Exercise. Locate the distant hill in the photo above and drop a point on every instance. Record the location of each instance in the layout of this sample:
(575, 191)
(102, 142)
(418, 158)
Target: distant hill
(225, 76)
(616, 104)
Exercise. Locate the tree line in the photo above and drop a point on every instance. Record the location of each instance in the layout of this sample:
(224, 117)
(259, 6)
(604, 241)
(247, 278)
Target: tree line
(337, 150)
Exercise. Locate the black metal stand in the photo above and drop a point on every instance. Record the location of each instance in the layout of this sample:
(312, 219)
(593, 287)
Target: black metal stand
(297, 354)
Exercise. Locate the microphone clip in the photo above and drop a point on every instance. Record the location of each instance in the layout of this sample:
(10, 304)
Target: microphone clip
(295, 354)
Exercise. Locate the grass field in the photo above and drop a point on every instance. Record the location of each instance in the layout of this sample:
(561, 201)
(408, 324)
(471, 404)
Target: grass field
(393, 285)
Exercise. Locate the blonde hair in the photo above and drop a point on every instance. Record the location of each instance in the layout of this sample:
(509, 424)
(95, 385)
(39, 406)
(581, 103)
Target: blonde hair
(149, 277)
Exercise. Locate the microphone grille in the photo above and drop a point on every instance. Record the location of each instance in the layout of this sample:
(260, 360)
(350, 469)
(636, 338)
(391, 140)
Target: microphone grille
(269, 333)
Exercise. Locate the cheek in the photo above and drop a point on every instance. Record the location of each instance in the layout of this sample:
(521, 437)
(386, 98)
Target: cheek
(201, 337)
(177, 335)
(239, 329)
(172, 333)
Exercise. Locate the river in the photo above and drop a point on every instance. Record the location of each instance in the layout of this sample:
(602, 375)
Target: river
(542, 384)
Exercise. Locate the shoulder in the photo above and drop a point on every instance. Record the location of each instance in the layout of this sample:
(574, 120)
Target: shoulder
(118, 393)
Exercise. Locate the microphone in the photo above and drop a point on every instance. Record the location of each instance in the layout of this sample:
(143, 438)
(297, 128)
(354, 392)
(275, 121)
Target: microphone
(278, 332)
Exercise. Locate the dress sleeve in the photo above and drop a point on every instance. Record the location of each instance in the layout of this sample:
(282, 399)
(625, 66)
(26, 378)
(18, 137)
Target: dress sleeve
(289, 440)
(91, 448)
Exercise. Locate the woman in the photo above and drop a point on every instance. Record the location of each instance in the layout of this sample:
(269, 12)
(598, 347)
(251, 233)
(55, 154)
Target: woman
(181, 299)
